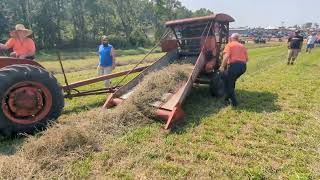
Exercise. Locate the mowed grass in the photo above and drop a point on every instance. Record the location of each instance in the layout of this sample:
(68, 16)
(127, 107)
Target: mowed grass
(273, 134)
(91, 62)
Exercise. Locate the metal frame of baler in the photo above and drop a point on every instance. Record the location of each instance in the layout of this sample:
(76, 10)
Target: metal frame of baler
(71, 89)
(223, 35)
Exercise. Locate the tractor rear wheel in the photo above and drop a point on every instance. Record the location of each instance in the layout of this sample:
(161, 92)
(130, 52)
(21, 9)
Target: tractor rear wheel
(30, 99)
(216, 86)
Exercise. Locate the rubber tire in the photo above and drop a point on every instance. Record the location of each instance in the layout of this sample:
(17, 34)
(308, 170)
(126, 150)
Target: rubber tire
(13, 74)
(216, 86)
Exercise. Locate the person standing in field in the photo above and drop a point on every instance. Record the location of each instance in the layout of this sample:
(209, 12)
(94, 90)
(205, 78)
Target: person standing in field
(23, 47)
(234, 64)
(294, 45)
(107, 59)
(311, 41)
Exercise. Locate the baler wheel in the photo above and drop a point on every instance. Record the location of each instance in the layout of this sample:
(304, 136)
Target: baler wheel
(30, 99)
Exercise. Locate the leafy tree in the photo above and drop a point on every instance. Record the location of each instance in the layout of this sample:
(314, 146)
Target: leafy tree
(202, 12)
(80, 23)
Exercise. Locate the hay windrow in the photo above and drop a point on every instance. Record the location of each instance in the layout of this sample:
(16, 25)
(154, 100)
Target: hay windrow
(53, 153)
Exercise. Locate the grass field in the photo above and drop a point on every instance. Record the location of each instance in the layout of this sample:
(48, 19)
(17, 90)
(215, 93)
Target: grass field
(273, 134)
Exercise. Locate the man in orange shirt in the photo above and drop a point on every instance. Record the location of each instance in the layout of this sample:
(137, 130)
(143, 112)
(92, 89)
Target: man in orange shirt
(23, 47)
(234, 64)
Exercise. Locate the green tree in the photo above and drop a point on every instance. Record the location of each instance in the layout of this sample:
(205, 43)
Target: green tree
(79, 23)
(202, 12)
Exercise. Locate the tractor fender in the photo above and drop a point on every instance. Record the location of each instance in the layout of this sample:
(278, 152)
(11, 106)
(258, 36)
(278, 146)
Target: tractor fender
(8, 61)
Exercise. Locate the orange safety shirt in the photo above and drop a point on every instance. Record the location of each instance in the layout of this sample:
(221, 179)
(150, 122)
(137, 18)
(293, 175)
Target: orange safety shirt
(237, 52)
(22, 47)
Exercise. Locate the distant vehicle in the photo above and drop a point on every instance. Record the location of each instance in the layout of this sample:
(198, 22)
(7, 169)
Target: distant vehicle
(260, 40)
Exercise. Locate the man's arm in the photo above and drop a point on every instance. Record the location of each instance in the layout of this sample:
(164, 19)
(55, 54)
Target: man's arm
(301, 43)
(288, 43)
(247, 56)
(113, 55)
(224, 63)
(9, 44)
(3, 46)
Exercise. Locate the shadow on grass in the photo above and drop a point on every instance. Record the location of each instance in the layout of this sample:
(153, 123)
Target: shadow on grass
(259, 102)
(84, 107)
(8, 146)
(200, 105)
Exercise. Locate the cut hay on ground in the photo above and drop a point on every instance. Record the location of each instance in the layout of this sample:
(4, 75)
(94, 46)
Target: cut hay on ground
(54, 152)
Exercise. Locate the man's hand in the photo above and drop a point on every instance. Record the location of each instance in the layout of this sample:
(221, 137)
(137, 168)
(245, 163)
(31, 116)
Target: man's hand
(22, 57)
(13, 54)
(222, 69)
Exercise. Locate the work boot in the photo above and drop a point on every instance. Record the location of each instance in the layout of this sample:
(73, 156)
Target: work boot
(288, 63)
(292, 63)
(234, 102)
(226, 101)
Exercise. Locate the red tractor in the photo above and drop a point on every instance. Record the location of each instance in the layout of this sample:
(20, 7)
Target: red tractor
(30, 96)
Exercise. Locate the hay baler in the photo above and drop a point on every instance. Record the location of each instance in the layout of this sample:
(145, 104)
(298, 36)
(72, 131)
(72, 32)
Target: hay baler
(196, 40)
(31, 97)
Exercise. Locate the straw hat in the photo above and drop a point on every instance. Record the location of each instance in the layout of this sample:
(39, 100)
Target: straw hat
(20, 28)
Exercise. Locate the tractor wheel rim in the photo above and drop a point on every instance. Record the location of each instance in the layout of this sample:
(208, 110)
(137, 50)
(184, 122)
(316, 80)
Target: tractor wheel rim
(27, 102)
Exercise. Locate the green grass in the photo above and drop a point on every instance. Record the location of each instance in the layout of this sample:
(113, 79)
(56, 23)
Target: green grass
(273, 134)
(90, 63)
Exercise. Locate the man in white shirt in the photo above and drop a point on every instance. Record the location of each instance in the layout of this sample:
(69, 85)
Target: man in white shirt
(310, 42)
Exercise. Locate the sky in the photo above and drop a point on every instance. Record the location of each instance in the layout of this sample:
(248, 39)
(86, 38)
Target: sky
(263, 13)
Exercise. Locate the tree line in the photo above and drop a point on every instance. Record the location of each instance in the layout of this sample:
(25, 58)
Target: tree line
(81, 23)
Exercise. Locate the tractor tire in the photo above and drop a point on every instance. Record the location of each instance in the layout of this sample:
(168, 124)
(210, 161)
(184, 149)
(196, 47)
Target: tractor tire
(216, 86)
(31, 98)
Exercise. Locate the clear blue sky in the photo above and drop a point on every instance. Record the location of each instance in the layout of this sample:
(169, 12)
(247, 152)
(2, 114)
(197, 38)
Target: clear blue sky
(264, 13)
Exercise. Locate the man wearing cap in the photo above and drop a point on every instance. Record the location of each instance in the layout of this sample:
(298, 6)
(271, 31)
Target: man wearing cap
(294, 45)
(234, 64)
(23, 47)
(106, 59)
(311, 41)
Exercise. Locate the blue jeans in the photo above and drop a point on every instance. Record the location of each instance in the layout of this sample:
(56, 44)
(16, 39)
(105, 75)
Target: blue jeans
(233, 72)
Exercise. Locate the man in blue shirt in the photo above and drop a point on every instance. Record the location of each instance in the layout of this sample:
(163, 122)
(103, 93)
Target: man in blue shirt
(311, 41)
(106, 59)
